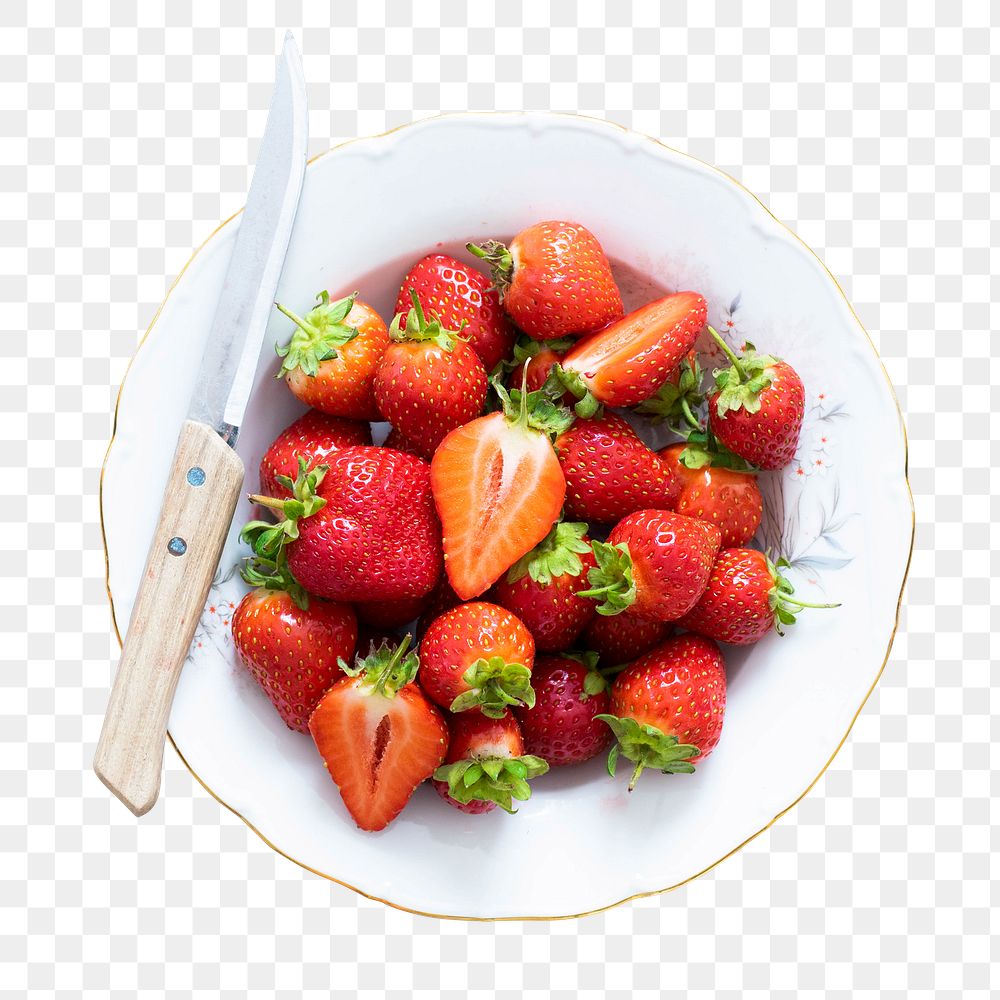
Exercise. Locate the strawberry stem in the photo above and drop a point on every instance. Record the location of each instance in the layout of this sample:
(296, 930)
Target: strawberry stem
(272, 502)
(301, 323)
(689, 418)
(805, 604)
(640, 765)
(730, 353)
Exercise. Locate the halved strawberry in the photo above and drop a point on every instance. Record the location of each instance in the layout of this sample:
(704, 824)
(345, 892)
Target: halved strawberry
(628, 361)
(486, 765)
(378, 735)
(498, 488)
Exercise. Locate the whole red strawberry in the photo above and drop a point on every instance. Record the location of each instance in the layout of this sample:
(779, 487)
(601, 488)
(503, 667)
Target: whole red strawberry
(429, 382)
(757, 407)
(655, 563)
(378, 735)
(486, 764)
(477, 656)
(628, 361)
(668, 706)
(746, 597)
(621, 638)
(396, 440)
(555, 280)
(314, 436)
(391, 614)
(330, 361)
(291, 642)
(562, 727)
(541, 587)
(362, 529)
(461, 298)
(610, 472)
(727, 498)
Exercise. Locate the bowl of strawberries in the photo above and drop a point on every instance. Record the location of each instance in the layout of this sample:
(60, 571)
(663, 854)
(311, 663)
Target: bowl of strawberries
(575, 528)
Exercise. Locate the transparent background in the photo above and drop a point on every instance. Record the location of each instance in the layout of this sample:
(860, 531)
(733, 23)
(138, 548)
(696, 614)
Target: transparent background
(866, 126)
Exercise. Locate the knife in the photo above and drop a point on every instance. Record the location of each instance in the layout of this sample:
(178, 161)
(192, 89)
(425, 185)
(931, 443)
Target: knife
(207, 475)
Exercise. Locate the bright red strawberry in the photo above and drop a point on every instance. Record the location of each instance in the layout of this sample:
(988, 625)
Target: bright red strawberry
(391, 614)
(498, 489)
(555, 280)
(757, 407)
(746, 597)
(429, 382)
(621, 638)
(330, 361)
(477, 656)
(486, 765)
(314, 436)
(379, 736)
(461, 298)
(728, 499)
(396, 440)
(562, 727)
(610, 472)
(290, 642)
(541, 587)
(668, 706)
(655, 563)
(363, 529)
(537, 357)
(628, 361)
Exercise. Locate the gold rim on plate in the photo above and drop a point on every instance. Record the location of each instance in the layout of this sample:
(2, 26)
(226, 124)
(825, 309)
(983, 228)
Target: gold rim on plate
(638, 895)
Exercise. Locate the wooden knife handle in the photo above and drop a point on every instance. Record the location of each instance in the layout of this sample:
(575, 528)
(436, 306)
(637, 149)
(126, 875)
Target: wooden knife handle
(198, 507)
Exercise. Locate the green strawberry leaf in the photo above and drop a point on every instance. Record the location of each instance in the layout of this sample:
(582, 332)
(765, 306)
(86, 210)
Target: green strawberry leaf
(268, 538)
(533, 409)
(387, 669)
(557, 554)
(423, 329)
(492, 779)
(780, 601)
(494, 686)
(611, 581)
(274, 574)
(647, 746)
(317, 336)
(677, 402)
(500, 262)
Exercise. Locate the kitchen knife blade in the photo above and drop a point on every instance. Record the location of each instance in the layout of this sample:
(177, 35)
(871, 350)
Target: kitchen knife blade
(206, 475)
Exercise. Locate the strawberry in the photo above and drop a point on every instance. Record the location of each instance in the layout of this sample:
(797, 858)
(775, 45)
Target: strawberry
(362, 528)
(667, 707)
(391, 614)
(396, 441)
(746, 597)
(555, 280)
(655, 563)
(610, 472)
(378, 735)
(486, 765)
(477, 656)
(536, 357)
(330, 361)
(541, 587)
(757, 407)
(628, 361)
(728, 499)
(290, 642)
(678, 398)
(314, 436)
(441, 599)
(429, 381)
(621, 638)
(461, 298)
(498, 488)
(562, 727)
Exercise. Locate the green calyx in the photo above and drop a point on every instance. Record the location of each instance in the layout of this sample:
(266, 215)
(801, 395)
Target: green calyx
(267, 538)
(783, 606)
(594, 682)
(560, 381)
(274, 574)
(704, 449)
(676, 403)
(317, 336)
(387, 669)
(611, 581)
(494, 686)
(534, 410)
(492, 779)
(420, 328)
(647, 746)
(557, 554)
(500, 261)
(740, 385)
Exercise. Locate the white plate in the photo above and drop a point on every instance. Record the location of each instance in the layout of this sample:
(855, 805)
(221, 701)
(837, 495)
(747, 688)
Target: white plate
(843, 513)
